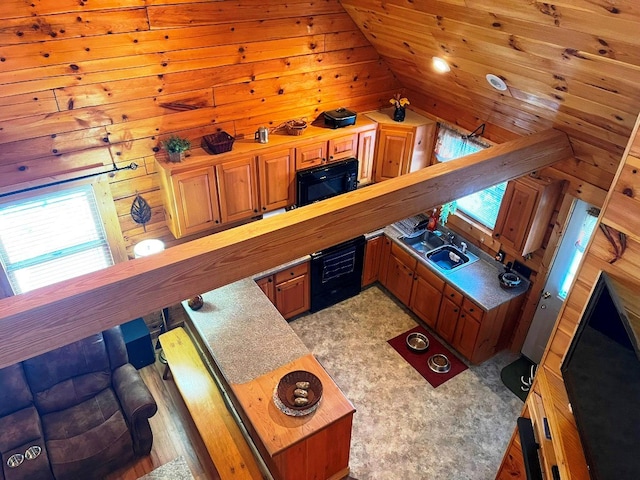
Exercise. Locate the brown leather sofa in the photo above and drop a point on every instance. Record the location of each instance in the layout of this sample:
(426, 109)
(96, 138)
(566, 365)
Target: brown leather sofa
(77, 412)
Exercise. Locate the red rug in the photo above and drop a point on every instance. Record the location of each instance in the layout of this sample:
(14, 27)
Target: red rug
(419, 360)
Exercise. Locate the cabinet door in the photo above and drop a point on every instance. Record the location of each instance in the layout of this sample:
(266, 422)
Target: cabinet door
(311, 155)
(343, 147)
(366, 153)
(447, 319)
(292, 296)
(426, 295)
(196, 201)
(466, 334)
(384, 260)
(237, 185)
(394, 152)
(267, 286)
(514, 215)
(400, 278)
(276, 174)
(372, 254)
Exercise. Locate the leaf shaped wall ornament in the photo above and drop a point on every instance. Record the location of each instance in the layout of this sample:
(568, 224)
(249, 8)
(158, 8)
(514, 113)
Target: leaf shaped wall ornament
(140, 211)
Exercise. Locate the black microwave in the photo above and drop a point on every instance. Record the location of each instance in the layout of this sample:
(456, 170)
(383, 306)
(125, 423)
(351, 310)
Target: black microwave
(326, 181)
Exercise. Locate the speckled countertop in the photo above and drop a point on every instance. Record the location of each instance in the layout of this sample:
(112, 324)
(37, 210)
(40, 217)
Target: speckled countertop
(244, 332)
(478, 281)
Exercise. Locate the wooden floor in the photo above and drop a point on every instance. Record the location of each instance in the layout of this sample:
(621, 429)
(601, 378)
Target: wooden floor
(174, 433)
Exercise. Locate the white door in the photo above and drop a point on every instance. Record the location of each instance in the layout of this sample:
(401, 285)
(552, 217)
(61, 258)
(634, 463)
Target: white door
(563, 270)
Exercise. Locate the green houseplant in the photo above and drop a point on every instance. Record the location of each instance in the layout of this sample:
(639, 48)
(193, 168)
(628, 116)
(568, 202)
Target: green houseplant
(175, 147)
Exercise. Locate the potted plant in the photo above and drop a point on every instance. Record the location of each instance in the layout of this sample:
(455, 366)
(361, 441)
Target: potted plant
(175, 147)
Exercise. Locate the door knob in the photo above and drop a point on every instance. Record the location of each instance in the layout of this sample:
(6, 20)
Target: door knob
(546, 295)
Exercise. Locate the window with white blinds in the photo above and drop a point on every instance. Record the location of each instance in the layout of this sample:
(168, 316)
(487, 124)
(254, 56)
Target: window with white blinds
(52, 237)
(482, 206)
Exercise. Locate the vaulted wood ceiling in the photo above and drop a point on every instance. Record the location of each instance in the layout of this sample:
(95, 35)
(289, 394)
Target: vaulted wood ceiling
(573, 65)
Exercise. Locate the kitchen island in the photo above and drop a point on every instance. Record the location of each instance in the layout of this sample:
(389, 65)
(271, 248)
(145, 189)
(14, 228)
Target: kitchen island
(252, 347)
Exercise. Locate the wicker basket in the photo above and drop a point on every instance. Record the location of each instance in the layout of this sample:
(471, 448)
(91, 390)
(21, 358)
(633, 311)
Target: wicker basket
(295, 127)
(218, 142)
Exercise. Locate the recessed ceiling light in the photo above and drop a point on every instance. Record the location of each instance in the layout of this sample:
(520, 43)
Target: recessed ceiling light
(496, 82)
(440, 65)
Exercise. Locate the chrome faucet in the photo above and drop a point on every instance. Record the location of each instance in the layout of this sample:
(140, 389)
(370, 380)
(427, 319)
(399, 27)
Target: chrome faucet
(463, 247)
(451, 238)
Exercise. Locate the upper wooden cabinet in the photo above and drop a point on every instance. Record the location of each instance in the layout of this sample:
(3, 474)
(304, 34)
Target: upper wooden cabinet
(402, 147)
(326, 151)
(238, 189)
(276, 174)
(527, 207)
(191, 201)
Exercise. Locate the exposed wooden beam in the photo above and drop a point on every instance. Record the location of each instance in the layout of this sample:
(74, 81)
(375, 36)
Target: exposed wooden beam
(39, 321)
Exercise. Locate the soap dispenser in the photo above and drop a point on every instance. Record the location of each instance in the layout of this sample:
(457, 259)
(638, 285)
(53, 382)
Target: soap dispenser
(433, 221)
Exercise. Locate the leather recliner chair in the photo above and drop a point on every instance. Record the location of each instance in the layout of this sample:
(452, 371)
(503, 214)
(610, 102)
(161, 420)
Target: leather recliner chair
(92, 406)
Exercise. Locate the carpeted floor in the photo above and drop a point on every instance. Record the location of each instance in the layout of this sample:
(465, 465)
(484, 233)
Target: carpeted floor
(403, 427)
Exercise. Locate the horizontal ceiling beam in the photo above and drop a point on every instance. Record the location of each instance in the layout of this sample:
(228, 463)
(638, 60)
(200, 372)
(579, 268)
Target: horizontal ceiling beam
(38, 321)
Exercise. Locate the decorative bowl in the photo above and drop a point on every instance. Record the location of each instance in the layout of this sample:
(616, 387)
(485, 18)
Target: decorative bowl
(417, 342)
(439, 363)
(287, 386)
(196, 303)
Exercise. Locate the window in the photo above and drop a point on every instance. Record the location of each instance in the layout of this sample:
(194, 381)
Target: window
(52, 237)
(482, 206)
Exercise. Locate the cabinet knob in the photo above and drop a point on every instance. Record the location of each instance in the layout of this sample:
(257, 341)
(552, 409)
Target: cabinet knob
(217, 221)
(264, 208)
(292, 273)
(330, 157)
(452, 295)
(270, 280)
(255, 210)
(279, 289)
(455, 310)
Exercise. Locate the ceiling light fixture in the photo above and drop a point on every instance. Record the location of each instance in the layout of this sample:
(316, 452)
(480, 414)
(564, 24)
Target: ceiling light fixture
(496, 82)
(440, 65)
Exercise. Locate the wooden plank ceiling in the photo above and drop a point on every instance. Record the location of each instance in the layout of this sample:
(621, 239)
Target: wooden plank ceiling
(572, 64)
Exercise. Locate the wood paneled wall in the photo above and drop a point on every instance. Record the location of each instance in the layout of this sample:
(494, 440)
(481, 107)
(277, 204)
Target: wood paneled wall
(620, 214)
(86, 85)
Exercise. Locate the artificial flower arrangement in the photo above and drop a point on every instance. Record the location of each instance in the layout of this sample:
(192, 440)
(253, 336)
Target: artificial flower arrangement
(399, 102)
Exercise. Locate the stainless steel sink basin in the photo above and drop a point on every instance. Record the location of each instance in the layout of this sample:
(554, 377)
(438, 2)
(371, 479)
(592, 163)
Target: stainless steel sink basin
(424, 242)
(449, 257)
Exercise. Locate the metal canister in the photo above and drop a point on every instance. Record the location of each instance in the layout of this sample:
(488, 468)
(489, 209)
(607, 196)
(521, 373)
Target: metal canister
(262, 135)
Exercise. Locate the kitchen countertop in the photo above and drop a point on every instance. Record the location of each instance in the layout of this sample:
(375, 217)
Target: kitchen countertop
(478, 281)
(245, 333)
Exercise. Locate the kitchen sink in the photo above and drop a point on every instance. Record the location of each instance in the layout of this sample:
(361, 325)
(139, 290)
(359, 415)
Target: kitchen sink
(449, 257)
(425, 242)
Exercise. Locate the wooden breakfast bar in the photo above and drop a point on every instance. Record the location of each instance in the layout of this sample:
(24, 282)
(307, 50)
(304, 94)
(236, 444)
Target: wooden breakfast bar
(253, 347)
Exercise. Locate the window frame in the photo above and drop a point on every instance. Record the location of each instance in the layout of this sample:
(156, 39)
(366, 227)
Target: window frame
(106, 209)
(459, 218)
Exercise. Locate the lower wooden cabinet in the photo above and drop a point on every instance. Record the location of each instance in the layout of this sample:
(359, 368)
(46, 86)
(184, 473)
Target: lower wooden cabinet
(426, 295)
(400, 271)
(372, 255)
(191, 201)
(288, 290)
(463, 324)
(512, 467)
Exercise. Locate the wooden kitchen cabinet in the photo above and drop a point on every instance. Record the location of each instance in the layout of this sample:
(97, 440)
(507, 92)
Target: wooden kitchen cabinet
(238, 189)
(402, 147)
(466, 334)
(447, 319)
(366, 156)
(276, 174)
(268, 288)
(400, 270)
(527, 208)
(322, 152)
(191, 201)
(426, 295)
(372, 256)
(288, 290)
